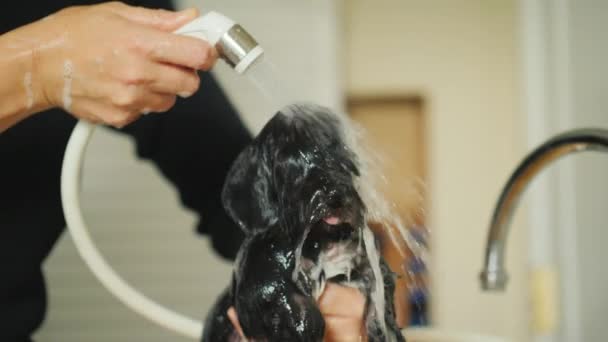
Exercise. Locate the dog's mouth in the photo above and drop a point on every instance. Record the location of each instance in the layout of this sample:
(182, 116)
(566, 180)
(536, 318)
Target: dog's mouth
(335, 226)
(332, 220)
(340, 217)
(330, 250)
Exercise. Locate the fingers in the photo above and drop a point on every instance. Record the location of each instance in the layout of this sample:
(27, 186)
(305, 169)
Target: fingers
(342, 301)
(343, 308)
(157, 103)
(120, 112)
(133, 71)
(157, 41)
(98, 112)
(165, 46)
(171, 79)
(139, 87)
(142, 101)
(179, 50)
(157, 18)
(235, 322)
(343, 329)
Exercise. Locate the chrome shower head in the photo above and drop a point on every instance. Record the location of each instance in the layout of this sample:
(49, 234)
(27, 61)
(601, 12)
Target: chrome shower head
(234, 44)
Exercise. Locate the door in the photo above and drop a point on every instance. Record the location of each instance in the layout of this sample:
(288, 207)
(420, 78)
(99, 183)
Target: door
(395, 130)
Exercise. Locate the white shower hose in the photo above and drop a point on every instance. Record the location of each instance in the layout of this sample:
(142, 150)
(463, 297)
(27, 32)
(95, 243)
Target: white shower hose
(70, 194)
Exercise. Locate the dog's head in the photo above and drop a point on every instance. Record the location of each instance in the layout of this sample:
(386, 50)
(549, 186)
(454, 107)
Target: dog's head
(297, 172)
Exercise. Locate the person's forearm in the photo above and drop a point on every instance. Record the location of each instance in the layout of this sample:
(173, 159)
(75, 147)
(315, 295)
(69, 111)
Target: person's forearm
(20, 94)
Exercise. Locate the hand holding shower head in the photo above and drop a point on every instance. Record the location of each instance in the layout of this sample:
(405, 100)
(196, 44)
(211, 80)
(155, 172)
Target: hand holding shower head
(235, 45)
(239, 50)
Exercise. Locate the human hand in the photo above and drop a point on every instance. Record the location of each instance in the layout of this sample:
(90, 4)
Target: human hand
(111, 62)
(342, 308)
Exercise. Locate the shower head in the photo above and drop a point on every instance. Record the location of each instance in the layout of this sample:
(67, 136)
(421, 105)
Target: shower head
(234, 44)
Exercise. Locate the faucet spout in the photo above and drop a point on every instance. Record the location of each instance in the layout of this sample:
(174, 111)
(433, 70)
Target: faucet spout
(494, 275)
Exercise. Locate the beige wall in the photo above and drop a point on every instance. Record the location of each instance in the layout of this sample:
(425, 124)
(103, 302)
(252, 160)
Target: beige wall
(461, 56)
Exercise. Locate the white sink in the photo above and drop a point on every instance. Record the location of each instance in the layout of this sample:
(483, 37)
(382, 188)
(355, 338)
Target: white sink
(436, 335)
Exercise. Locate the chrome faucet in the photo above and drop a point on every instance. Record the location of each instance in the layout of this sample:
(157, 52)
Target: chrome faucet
(494, 276)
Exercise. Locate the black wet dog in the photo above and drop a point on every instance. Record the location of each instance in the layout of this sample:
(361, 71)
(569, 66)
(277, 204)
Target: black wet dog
(294, 192)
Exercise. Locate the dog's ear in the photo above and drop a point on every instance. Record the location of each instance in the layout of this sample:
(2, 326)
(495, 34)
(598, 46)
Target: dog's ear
(247, 195)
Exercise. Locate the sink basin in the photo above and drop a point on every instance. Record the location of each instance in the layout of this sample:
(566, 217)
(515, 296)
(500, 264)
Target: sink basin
(436, 335)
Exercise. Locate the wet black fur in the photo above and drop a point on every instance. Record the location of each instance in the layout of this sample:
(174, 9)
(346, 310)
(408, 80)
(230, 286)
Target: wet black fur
(296, 172)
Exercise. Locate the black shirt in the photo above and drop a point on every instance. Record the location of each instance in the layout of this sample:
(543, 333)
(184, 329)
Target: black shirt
(193, 146)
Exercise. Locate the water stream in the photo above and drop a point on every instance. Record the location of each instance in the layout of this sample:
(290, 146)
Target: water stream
(275, 92)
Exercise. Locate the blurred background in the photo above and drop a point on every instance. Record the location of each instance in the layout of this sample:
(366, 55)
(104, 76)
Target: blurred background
(453, 93)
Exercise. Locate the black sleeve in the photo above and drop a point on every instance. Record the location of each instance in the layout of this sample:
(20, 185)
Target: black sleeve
(193, 145)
